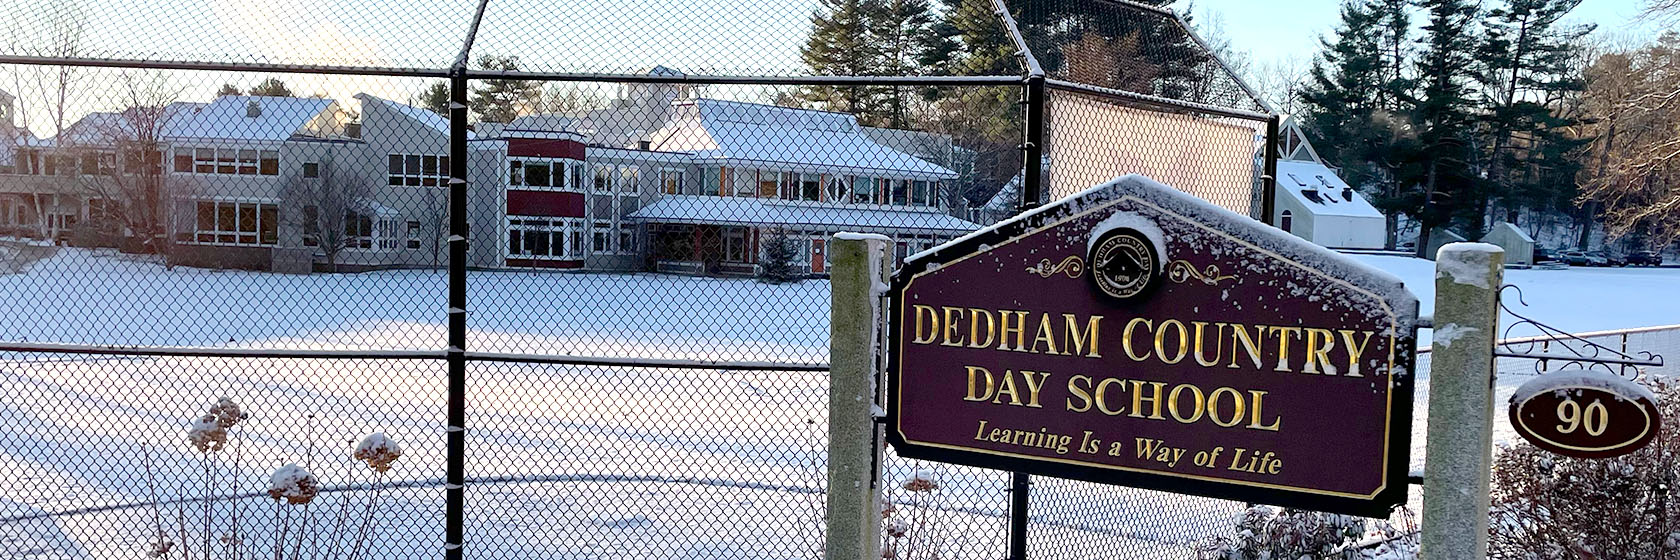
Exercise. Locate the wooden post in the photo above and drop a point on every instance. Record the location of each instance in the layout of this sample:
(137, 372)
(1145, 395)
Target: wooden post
(1460, 439)
(855, 315)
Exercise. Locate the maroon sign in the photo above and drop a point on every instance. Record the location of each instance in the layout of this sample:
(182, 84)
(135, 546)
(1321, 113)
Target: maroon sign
(1135, 335)
(1591, 415)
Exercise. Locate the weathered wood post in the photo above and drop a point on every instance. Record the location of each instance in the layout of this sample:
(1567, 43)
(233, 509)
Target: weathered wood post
(1460, 439)
(856, 287)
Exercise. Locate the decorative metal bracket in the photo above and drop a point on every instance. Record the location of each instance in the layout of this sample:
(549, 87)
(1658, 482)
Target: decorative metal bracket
(1576, 352)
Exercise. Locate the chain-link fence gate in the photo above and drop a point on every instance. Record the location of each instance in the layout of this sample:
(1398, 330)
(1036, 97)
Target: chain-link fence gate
(499, 279)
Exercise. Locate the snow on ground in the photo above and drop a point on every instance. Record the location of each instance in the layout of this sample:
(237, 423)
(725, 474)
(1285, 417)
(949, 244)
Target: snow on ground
(565, 462)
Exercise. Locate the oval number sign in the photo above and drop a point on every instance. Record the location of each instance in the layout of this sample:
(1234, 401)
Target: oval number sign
(1590, 415)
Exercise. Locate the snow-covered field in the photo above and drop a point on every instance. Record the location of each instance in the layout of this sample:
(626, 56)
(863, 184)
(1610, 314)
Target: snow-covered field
(566, 461)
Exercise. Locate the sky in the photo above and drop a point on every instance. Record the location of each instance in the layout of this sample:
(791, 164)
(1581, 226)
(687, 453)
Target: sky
(605, 36)
(1275, 30)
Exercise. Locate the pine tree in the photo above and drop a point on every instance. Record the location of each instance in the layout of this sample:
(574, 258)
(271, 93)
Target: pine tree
(1393, 36)
(901, 29)
(272, 87)
(500, 100)
(777, 266)
(1443, 161)
(840, 44)
(435, 98)
(1347, 100)
(1526, 67)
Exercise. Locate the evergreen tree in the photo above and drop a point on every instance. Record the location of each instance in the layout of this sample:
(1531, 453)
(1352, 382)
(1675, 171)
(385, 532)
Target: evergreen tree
(1393, 30)
(500, 100)
(272, 87)
(901, 29)
(1349, 106)
(1526, 67)
(841, 44)
(1444, 158)
(435, 98)
(777, 266)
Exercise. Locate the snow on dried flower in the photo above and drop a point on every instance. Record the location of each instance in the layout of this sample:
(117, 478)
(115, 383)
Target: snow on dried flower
(293, 484)
(206, 434)
(378, 451)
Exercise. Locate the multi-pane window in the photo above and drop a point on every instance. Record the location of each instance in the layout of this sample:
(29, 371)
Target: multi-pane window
(413, 234)
(626, 239)
(900, 192)
(920, 194)
(227, 161)
(864, 191)
(603, 178)
(600, 237)
(541, 173)
(629, 180)
(810, 186)
(735, 244)
(416, 170)
(768, 183)
(670, 181)
(836, 190)
(532, 237)
(237, 223)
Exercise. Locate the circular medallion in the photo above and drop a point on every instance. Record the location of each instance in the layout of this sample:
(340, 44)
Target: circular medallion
(1123, 264)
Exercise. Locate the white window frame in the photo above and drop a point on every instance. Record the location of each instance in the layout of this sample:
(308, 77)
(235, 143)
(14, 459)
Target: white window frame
(571, 231)
(629, 180)
(562, 181)
(602, 239)
(601, 178)
(672, 179)
(216, 235)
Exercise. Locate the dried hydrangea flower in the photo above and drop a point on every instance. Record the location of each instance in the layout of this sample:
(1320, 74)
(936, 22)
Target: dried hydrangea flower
(293, 484)
(227, 412)
(921, 481)
(378, 451)
(206, 434)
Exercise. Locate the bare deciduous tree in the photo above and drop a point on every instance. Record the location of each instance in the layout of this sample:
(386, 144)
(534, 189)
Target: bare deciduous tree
(1633, 168)
(55, 31)
(330, 209)
(133, 199)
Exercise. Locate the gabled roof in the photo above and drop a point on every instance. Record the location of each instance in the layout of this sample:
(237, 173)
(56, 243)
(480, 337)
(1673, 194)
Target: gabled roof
(280, 118)
(755, 135)
(1318, 188)
(723, 210)
(104, 128)
(426, 117)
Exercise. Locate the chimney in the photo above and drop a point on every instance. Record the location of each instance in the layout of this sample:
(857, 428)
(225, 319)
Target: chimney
(644, 144)
(1347, 194)
(253, 109)
(353, 130)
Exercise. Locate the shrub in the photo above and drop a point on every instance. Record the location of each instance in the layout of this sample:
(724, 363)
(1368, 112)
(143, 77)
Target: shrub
(1548, 506)
(1268, 533)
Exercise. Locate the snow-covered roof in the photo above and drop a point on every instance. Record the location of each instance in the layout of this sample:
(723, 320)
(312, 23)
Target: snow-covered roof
(1318, 188)
(423, 116)
(755, 135)
(721, 210)
(103, 128)
(278, 119)
(1008, 199)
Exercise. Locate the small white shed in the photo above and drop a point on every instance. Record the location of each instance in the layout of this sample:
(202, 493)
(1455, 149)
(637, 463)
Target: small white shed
(1519, 247)
(1315, 204)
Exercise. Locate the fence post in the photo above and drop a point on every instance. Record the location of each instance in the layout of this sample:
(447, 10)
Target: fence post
(1460, 439)
(854, 505)
(456, 437)
(1032, 144)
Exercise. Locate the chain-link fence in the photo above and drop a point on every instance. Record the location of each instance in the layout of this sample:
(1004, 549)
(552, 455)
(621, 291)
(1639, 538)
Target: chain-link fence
(501, 279)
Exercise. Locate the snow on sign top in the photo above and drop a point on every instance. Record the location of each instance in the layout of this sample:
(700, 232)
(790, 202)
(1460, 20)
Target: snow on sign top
(1133, 334)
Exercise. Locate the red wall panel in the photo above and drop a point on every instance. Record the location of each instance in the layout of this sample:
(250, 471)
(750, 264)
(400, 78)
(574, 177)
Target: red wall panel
(544, 203)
